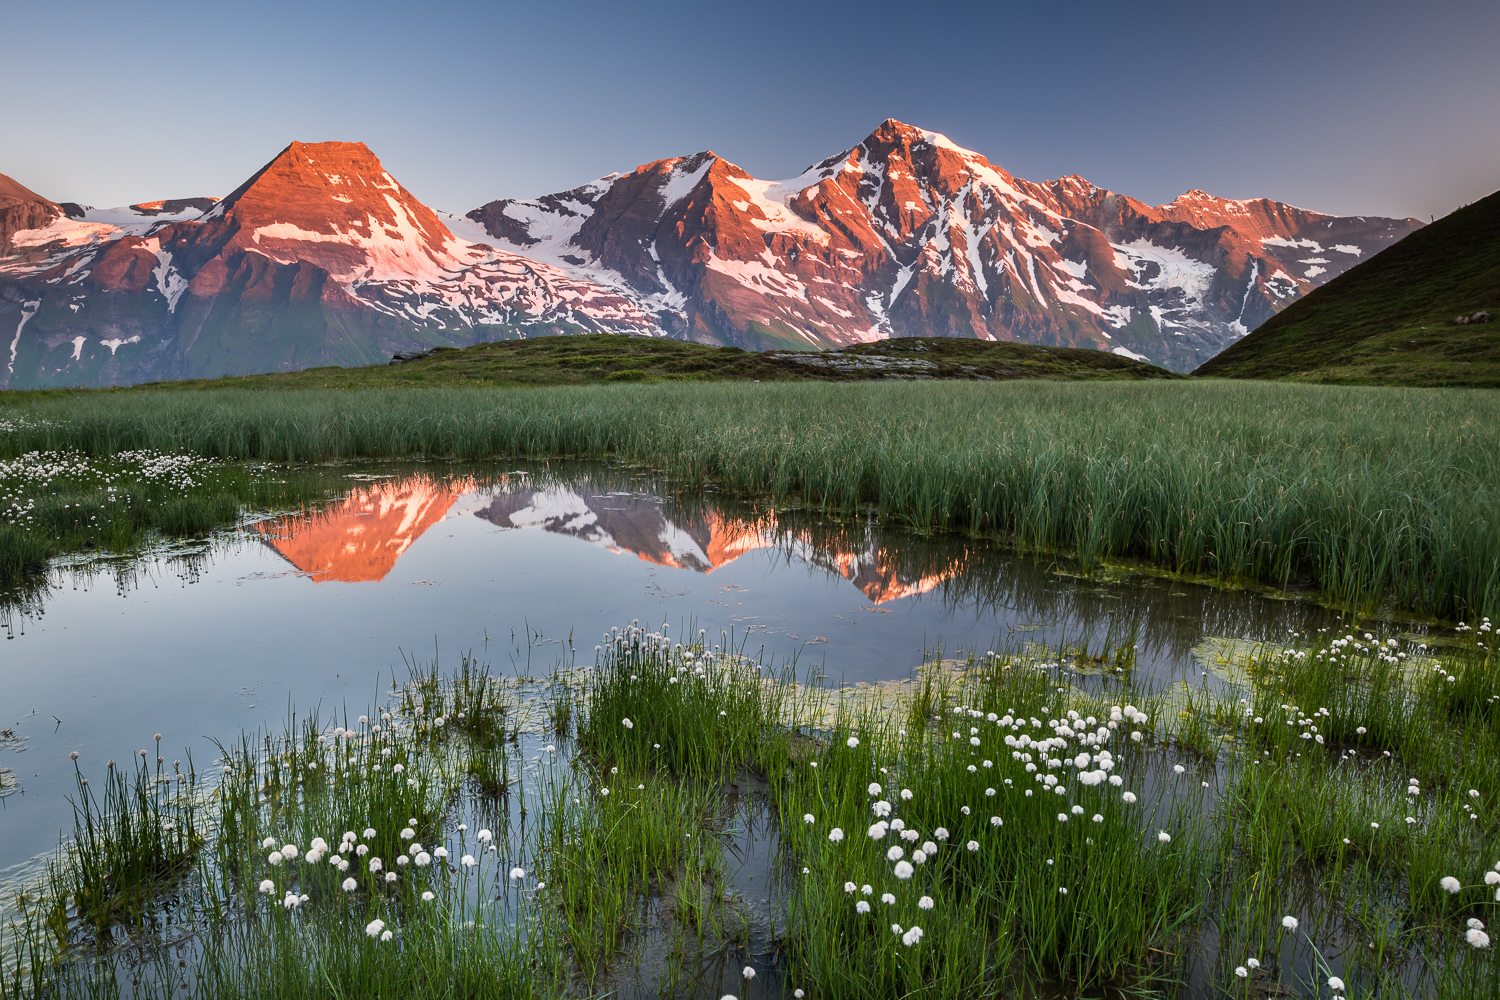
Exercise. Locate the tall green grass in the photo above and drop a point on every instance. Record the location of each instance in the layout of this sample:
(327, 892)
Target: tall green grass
(1372, 496)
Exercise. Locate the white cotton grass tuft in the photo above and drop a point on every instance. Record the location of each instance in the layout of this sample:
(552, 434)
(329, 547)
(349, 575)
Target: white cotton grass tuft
(852, 742)
(874, 788)
(903, 870)
(1164, 837)
(1477, 938)
(1289, 922)
(912, 936)
(861, 907)
(1241, 971)
(517, 874)
(925, 903)
(627, 723)
(1450, 884)
(809, 819)
(747, 973)
(836, 835)
(1335, 983)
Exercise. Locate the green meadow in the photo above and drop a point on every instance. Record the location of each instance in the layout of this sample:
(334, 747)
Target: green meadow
(1373, 498)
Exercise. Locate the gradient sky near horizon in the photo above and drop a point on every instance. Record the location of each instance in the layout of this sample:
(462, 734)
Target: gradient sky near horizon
(1353, 108)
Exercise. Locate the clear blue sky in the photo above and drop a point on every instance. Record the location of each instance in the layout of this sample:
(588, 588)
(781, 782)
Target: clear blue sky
(1349, 107)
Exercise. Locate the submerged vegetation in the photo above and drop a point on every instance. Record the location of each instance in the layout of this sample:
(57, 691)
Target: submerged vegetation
(1012, 823)
(1376, 498)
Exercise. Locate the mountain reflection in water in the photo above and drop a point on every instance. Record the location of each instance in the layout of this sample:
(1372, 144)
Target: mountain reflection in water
(701, 541)
(359, 538)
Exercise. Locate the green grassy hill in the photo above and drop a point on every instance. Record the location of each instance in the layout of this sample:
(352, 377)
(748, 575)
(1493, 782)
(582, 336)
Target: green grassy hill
(595, 358)
(1389, 320)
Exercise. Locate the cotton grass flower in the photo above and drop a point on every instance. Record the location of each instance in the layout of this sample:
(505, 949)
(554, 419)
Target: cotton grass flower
(836, 835)
(1477, 938)
(267, 887)
(850, 887)
(1450, 884)
(1241, 971)
(861, 907)
(888, 899)
(912, 936)
(873, 789)
(903, 870)
(349, 885)
(747, 973)
(851, 742)
(468, 861)
(1289, 922)
(972, 845)
(1335, 983)
(925, 903)
(374, 927)
(1164, 837)
(877, 830)
(809, 819)
(627, 723)
(894, 854)
(428, 897)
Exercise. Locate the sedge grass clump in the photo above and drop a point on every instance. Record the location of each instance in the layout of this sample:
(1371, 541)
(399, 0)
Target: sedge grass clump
(131, 841)
(655, 705)
(1359, 763)
(53, 502)
(1018, 842)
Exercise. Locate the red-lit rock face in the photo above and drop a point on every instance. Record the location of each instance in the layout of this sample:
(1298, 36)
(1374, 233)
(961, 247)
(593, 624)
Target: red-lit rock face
(910, 234)
(22, 208)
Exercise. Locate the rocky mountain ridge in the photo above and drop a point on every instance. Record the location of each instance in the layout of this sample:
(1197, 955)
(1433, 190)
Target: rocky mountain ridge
(322, 257)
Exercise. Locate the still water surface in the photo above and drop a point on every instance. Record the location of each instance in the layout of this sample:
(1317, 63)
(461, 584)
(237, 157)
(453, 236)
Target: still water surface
(323, 611)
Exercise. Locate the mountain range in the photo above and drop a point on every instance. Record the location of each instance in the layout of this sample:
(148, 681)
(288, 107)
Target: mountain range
(323, 258)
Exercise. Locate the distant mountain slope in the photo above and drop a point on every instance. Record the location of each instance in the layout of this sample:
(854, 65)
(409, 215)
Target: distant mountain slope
(319, 258)
(1391, 318)
(323, 258)
(909, 234)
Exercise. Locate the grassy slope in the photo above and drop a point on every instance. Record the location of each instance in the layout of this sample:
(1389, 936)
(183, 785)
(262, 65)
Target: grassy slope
(1389, 320)
(577, 360)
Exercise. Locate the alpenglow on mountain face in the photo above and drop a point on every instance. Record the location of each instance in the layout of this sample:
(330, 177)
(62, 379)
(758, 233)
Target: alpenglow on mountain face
(323, 258)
